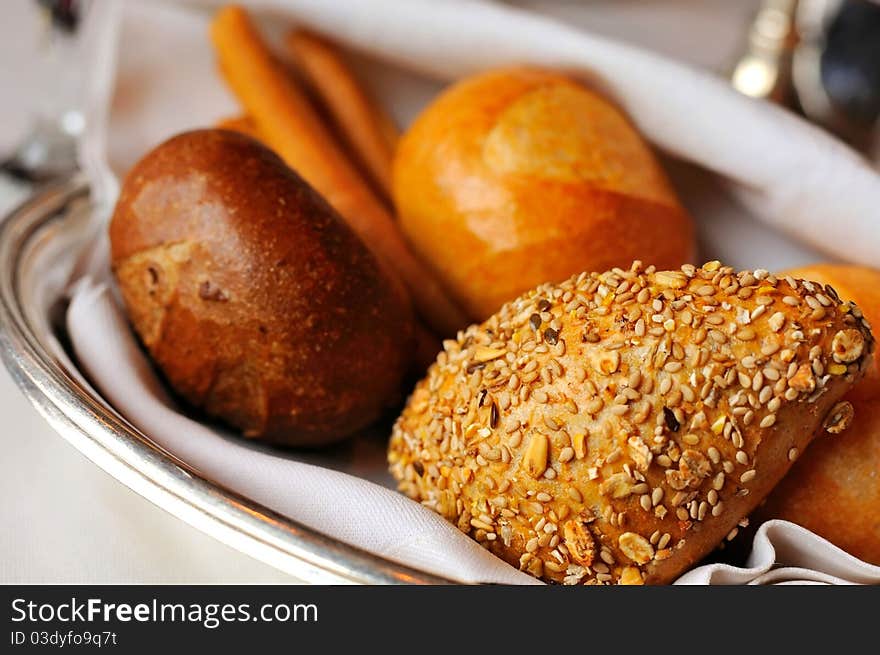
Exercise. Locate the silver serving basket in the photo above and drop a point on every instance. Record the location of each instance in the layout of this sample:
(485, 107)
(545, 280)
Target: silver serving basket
(40, 243)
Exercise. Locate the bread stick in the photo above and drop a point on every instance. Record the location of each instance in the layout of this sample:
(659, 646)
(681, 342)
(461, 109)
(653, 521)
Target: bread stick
(292, 128)
(368, 131)
(241, 124)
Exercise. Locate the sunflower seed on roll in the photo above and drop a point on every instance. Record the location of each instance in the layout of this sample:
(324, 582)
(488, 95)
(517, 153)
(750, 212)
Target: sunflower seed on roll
(623, 433)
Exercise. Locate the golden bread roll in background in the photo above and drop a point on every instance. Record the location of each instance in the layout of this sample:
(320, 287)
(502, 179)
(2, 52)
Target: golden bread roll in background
(616, 427)
(513, 178)
(834, 488)
(253, 296)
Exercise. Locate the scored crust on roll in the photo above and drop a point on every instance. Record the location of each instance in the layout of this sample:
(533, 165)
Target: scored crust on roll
(515, 177)
(616, 427)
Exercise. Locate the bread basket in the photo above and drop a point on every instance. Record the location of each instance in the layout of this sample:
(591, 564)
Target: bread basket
(40, 242)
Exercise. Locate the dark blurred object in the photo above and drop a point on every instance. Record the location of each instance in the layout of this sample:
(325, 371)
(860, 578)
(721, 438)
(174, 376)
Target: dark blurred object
(65, 14)
(820, 58)
(851, 61)
(837, 67)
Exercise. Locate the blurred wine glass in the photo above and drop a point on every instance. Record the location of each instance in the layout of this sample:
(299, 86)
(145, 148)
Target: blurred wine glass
(48, 151)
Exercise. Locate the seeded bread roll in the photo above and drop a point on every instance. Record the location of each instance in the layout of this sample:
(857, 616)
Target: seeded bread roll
(834, 488)
(615, 428)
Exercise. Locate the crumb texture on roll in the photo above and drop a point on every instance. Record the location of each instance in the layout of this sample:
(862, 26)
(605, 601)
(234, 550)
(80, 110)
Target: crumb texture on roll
(517, 177)
(254, 298)
(615, 428)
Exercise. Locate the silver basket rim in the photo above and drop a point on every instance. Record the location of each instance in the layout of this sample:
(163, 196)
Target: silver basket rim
(127, 454)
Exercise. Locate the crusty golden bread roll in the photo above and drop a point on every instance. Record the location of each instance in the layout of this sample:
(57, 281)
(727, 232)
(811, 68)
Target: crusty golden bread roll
(616, 427)
(834, 488)
(253, 297)
(513, 178)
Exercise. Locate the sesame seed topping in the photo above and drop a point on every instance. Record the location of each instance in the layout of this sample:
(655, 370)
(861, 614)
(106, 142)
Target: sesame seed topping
(653, 406)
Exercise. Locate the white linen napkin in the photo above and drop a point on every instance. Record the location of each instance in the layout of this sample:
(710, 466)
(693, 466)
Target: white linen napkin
(360, 512)
(166, 83)
(343, 506)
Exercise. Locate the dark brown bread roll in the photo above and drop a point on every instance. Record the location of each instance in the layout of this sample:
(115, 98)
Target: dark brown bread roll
(254, 298)
(616, 427)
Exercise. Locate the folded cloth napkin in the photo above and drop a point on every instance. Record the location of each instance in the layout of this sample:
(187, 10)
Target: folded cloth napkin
(360, 512)
(751, 146)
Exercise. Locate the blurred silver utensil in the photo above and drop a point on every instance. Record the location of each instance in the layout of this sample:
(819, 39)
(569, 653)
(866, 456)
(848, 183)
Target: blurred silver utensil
(48, 152)
(820, 58)
(765, 70)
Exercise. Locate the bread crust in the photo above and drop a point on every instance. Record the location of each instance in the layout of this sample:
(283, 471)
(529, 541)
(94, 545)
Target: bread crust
(253, 297)
(615, 428)
(833, 489)
(517, 177)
